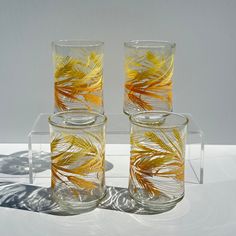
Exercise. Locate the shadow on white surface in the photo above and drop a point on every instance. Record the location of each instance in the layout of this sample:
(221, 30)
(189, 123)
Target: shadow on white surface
(39, 199)
(118, 199)
(17, 163)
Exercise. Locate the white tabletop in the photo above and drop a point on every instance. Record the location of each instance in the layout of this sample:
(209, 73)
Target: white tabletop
(207, 209)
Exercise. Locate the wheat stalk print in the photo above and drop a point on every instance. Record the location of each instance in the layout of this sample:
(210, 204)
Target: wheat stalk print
(78, 81)
(149, 77)
(160, 156)
(74, 159)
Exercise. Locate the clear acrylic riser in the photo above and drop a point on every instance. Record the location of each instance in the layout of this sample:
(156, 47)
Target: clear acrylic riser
(117, 152)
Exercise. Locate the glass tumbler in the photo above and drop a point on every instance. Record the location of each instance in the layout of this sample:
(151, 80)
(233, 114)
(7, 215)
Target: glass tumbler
(77, 158)
(78, 75)
(157, 159)
(148, 76)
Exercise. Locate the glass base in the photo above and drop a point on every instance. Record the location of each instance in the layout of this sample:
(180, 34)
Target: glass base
(157, 206)
(73, 206)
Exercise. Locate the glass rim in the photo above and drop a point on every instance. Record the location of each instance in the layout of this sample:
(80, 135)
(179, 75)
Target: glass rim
(77, 43)
(151, 125)
(76, 127)
(142, 44)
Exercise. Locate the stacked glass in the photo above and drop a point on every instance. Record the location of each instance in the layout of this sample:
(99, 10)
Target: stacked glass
(157, 135)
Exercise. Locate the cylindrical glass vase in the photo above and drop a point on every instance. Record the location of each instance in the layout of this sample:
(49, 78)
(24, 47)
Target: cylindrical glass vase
(77, 159)
(157, 159)
(78, 75)
(148, 76)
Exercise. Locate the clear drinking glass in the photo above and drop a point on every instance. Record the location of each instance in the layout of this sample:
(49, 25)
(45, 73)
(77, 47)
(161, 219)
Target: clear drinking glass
(157, 159)
(78, 75)
(148, 75)
(77, 158)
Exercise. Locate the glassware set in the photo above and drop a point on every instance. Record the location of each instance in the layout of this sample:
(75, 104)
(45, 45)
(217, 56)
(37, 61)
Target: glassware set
(77, 130)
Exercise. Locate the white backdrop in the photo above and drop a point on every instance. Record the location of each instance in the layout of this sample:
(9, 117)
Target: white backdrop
(205, 63)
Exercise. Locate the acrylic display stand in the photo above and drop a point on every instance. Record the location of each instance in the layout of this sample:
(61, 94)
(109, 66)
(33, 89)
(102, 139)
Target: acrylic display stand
(117, 152)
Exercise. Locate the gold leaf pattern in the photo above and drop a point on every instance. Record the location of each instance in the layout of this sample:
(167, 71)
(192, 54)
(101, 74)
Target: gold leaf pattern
(84, 184)
(77, 81)
(148, 77)
(145, 183)
(75, 158)
(157, 156)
